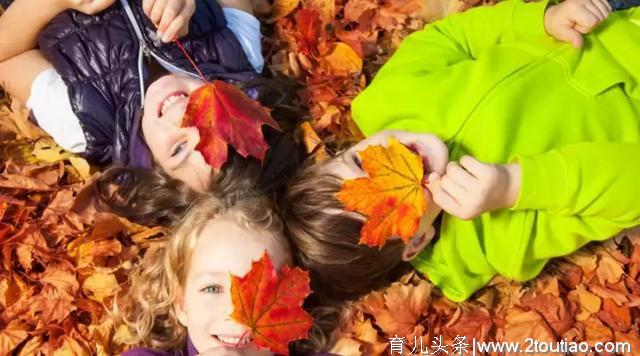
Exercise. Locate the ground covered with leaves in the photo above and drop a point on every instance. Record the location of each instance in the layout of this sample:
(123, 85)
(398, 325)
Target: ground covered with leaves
(62, 263)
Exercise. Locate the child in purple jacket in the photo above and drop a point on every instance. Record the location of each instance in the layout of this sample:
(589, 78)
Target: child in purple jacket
(107, 83)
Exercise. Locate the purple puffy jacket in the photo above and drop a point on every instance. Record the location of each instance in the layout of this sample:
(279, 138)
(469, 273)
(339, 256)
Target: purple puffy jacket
(101, 58)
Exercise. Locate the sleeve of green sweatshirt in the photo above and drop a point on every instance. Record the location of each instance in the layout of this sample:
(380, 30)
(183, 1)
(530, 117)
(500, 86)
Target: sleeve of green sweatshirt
(570, 196)
(390, 100)
(595, 180)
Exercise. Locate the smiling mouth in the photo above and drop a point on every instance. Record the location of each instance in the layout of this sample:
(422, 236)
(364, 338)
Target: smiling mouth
(233, 341)
(169, 100)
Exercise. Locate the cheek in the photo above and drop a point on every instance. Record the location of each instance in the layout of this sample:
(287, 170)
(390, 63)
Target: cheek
(199, 310)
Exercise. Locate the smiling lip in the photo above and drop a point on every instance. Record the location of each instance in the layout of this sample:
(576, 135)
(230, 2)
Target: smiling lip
(177, 92)
(237, 345)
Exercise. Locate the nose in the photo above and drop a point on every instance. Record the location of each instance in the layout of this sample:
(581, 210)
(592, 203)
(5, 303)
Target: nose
(193, 135)
(177, 115)
(224, 324)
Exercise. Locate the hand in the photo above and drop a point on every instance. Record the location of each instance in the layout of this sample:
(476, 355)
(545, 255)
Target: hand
(431, 148)
(569, 20)
(470, 188)
(171, 17)
(88, 7)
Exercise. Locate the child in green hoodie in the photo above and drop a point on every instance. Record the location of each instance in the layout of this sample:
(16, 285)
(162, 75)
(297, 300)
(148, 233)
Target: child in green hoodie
(531, 145)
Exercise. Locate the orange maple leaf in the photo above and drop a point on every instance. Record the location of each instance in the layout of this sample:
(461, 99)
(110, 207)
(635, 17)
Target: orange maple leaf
(391, 198)
(270, 305)
(225, 115)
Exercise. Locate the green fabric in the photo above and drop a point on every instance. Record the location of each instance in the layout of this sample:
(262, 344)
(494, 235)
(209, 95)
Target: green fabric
(492, 84)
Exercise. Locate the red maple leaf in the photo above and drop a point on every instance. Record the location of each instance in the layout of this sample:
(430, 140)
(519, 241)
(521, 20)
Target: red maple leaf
(270, 305)
(225, 115)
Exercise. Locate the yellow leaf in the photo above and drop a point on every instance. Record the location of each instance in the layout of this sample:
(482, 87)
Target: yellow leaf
(587, 261)
(313, 143)
(342, 60)
(71, 347)
(32, 347)
(81, 166)
(48, 151)
(326, 8)
(392, 197)
(589, 302)
(609, 269)
(282, 8)
(101, 285)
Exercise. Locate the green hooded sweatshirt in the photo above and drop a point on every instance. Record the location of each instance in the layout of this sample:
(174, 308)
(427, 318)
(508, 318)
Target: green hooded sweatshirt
(492, 84)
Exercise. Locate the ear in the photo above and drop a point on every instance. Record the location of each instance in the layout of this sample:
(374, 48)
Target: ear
(180, 309)
(417, 244)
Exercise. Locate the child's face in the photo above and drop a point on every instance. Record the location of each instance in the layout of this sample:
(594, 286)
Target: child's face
(435, 157)
(223, 247)
(172, 146)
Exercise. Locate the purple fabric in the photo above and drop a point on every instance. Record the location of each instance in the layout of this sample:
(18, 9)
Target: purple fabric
(97, 57)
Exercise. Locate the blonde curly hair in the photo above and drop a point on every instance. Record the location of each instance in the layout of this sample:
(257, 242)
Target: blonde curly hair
(149, 309)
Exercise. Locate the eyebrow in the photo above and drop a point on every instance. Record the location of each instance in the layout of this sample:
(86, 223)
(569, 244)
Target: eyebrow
(209, 273)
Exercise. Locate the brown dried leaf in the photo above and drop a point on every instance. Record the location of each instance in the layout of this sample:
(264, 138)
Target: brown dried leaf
(12, 335)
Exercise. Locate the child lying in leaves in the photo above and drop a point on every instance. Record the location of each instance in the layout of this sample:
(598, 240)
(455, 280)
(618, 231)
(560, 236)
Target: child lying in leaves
(108, 82)
(220, 284)
(530, 149)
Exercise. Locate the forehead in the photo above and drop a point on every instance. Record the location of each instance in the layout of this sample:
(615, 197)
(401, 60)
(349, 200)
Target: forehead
(226, 246)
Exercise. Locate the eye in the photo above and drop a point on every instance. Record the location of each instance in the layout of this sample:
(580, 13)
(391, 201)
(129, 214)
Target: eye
(212, 289)
(357, 161)
(178, 149)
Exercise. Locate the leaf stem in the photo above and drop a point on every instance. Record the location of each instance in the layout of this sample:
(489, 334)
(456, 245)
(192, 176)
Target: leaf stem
(193, 63)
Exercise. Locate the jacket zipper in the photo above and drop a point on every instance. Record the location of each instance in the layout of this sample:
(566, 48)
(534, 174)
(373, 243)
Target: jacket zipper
(144, 50)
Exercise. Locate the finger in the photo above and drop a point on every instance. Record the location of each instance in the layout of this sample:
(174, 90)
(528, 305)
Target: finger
(454, 189)
(433, 151)
(595, 10)
(585, 21)
(603, 7)
(571, 36)
(460, 175)
(157, 11)
(606, 5)
(170, 13)
(147, 5)
(446, 202)
(172, 31)
(473, 166)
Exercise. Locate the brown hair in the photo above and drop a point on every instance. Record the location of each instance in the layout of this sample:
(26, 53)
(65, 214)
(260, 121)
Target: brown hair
(325, 239)
(144, 196)
(149, 307)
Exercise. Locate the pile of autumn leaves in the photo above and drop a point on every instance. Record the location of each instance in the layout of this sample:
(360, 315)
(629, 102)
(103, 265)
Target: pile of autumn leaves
(62, 264)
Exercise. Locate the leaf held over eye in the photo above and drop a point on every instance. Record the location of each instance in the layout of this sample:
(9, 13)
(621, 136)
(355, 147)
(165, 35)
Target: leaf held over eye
(270, 304)
(224, 114)
(391, 198)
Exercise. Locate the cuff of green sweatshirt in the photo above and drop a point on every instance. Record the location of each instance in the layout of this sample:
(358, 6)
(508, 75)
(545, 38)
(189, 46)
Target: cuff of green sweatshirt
(543, 181)
(528, 18)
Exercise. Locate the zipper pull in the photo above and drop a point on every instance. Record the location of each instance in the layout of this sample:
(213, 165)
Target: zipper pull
(145, 49)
